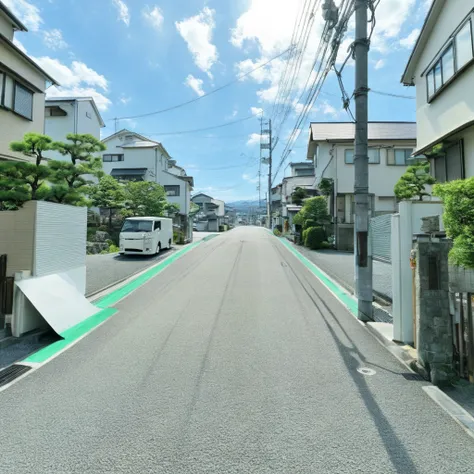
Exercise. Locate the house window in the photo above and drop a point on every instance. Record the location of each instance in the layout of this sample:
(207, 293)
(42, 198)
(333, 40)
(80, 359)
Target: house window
(374, 156)
(304, 172)
(23, 101)
(7, 88)
(464, 45)
(172, 190)
(455, 55)
(450, 165)
(112, 158)
(400, 157)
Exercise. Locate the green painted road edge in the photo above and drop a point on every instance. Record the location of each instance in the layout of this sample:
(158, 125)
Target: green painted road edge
(338, 291)
(79, 330)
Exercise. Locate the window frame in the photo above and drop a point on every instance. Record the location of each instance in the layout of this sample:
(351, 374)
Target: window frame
(21, 86)
(377, 149)
(408, 153)
(176, 187)
(111, 159)
(438, 60)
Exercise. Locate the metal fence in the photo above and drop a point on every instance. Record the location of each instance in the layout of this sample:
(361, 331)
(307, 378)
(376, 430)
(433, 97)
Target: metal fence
(381, 237)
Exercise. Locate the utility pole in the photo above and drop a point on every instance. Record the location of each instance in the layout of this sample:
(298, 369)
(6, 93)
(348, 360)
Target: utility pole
(267, 146)
(363, 258)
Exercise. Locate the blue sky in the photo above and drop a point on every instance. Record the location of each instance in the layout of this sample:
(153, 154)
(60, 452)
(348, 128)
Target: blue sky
(140, 56)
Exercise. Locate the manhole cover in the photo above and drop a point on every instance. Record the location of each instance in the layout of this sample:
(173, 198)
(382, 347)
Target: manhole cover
(366, 371)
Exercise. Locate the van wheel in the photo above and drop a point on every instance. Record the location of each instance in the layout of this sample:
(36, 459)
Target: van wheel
(158, 249)
(169, 244)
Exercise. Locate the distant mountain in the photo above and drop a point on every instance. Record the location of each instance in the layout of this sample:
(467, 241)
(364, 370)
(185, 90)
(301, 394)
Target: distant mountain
(245, 205)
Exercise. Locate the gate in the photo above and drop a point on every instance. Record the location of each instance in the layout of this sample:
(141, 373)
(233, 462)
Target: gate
(6, 289)
(381, 238)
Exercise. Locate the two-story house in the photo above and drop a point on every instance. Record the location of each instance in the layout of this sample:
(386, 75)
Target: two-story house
(130, 156)
(64, 115)
(301, 176)
(331, 149)
(211, 214)
(441, 66)
(22, 88)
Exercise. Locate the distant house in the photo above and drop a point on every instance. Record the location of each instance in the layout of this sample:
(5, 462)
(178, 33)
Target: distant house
(22, 88)
(64, 115)
(211, 214)
(130, 156)
(331, 151)
(441, 67)
(283, 207)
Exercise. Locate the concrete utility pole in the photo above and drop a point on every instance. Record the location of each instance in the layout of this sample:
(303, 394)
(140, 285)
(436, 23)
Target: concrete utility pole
(267, 146)
(363, 258)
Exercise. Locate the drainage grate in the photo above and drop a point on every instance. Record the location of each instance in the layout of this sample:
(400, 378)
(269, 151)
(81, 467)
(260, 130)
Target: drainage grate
(11, 373)
(410, 376)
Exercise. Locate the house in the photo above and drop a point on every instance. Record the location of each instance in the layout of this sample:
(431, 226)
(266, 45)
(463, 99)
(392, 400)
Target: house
(130, 156)
(441, 67)
(211, 214)
(302, 176)
(331, 150)
(22, 88)
(65, 115)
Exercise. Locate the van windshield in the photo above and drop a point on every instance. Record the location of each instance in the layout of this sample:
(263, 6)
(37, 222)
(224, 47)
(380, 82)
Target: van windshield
(137, 226)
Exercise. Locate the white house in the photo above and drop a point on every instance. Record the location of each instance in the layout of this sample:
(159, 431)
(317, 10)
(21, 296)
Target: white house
(441, 66)
(331, 149)
(283, 207)
(130, 156)
(211, 213)
(22, 88)
(65, 115)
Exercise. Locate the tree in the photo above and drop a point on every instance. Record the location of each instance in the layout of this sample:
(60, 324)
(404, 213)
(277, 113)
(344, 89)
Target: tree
(13, 190)
(313, 213)
(326, 186)
(70, 183)
(34, 174)
(107, 194)
(412, 184)
(144, 198)
(298, 196)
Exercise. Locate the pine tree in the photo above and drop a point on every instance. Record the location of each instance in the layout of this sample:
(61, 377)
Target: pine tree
(412, 184)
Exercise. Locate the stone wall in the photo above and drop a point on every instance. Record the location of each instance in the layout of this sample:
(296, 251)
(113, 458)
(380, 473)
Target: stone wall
(434, 340)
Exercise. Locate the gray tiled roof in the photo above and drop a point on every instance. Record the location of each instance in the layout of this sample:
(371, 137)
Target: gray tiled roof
(377, 131)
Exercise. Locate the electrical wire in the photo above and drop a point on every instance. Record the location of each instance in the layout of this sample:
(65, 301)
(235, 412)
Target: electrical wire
(213, 91)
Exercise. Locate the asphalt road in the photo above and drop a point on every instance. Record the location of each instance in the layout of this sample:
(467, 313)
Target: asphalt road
(233, 360)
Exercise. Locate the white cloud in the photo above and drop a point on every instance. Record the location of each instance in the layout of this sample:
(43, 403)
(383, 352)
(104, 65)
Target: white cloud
(125, 100)
(53, 39)
(19, 45)
(256, 110)
(123, 11)
(197, 32)
(154, 16)
(129, 123)
(379, 64)
(76, 81)
(410, 40)
(195, 84)
(249, 178)
(28, 13)
(255, 138)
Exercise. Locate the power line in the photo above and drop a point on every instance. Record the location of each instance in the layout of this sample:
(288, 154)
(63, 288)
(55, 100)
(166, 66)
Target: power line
(213, 91)
(399, 96)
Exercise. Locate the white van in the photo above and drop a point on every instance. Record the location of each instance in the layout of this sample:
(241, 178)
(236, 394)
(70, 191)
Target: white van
(145, 235)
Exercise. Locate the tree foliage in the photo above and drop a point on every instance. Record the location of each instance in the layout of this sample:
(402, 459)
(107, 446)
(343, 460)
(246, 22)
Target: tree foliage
(13, 190)
(313, 213)
(413, 183)
(458, 218)
(326, 186)
(79, 147)
(144, 198)
(298, 196)
(314, 237)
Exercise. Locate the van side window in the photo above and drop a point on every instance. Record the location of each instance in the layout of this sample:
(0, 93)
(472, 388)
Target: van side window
(157, 225)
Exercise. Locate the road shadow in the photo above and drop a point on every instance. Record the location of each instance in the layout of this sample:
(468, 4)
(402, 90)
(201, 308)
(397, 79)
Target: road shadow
(398, 454)
(143, 258)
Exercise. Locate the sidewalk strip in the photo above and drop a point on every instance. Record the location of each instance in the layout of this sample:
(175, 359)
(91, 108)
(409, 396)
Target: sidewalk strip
(128, 288)
(105, 311)
(337, 290)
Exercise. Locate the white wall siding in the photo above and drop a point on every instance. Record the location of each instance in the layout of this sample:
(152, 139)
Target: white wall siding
(60, 238)
(87, 121)
(454, 106)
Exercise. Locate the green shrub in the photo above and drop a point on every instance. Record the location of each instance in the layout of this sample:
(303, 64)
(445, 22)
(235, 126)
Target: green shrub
(458, 219)
(102, 228)
(315, 236)
(304, 236)
(114, 249)
(178, 237)
(277, 232)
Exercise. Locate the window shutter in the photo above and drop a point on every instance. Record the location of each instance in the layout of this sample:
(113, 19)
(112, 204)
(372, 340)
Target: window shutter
(23, 102)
